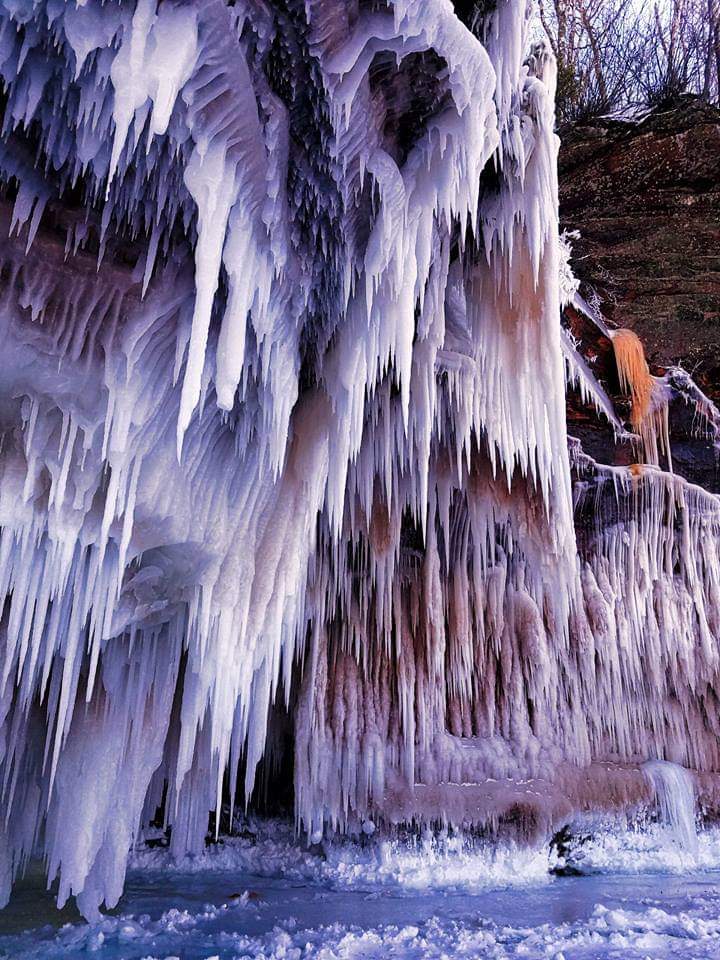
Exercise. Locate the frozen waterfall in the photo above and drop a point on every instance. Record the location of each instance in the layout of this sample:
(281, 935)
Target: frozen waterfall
(674, 794)
(284, 467)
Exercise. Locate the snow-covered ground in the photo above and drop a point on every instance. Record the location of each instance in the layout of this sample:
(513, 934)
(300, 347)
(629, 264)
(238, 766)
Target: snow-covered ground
(265, 896)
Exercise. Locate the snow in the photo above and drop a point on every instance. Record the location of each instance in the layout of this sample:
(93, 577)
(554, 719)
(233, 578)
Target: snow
(607, 933)
(614, 848)
(441, 863)
(248, 900)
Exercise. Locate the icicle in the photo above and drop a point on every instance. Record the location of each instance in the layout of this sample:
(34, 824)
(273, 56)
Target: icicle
(354, 343)
(649, 412)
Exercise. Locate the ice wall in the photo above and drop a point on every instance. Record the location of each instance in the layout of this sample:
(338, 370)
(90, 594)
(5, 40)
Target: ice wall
(282, 404)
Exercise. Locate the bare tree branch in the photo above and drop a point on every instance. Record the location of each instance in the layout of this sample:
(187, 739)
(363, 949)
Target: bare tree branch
(617, 54)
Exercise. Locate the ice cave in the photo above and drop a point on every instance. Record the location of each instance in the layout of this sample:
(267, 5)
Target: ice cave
(289, 505)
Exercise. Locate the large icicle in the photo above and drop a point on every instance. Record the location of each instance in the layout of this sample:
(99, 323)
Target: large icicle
(282, 408)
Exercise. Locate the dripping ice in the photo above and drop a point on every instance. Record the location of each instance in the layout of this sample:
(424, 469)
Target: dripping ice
(284, 434)
(674, 794)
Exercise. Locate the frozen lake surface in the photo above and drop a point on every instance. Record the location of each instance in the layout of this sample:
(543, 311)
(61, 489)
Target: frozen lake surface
(266, 898)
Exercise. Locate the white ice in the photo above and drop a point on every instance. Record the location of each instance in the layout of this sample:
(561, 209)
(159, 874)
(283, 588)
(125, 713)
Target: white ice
(282, 417)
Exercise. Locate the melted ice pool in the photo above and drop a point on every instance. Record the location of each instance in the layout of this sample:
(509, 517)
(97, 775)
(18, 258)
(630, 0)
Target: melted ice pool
(375, 906)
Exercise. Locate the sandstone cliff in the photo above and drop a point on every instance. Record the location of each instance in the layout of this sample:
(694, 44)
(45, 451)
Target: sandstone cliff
(644, 196)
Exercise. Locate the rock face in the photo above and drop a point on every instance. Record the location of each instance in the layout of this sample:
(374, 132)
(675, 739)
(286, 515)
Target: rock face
(645, 197)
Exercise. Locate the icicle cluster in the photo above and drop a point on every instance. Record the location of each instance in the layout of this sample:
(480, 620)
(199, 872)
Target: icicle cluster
(282, 413)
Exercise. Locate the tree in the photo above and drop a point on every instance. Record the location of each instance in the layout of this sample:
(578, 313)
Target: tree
(619, 54)
(676, 51)
(594, 42)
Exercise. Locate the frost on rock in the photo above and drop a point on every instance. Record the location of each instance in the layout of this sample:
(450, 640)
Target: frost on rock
(283, 429)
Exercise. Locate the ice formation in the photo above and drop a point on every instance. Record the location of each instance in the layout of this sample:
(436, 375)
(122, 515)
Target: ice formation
(284, 439)
(675, 796)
